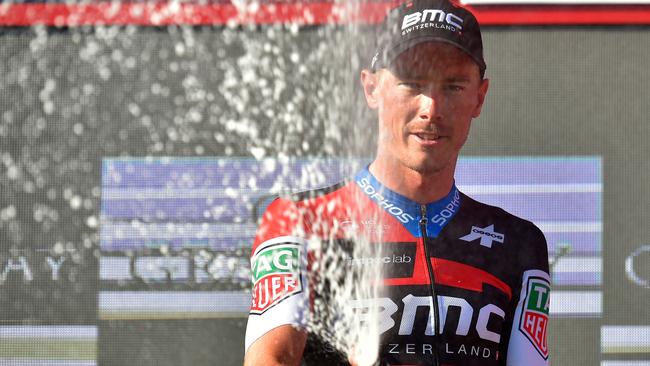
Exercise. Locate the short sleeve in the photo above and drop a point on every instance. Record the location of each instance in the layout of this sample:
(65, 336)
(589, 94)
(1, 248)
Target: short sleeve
(278, 272)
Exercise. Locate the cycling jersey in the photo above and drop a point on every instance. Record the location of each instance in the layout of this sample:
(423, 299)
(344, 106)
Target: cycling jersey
(465, 283)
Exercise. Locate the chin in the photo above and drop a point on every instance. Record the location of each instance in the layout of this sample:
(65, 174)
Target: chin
(426, 168)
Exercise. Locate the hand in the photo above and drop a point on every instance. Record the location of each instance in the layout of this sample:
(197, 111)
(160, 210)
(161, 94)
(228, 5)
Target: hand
(357, 358)
(351, 358)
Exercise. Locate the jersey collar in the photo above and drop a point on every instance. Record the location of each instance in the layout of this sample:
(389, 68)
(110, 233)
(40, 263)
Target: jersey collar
(407, 211)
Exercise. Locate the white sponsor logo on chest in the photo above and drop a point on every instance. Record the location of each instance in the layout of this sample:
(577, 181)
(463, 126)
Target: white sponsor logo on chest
(486, 234)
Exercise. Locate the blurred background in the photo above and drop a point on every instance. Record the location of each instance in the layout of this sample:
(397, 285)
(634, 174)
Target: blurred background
(140, 141)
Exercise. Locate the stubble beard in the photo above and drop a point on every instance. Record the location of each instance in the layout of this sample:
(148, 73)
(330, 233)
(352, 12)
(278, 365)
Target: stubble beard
(425, 162)
(428, 165)
(432, 163)
(425, 167)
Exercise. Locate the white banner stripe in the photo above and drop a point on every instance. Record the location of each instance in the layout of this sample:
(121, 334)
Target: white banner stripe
(579, 265)
(531, 188)
(28, 362)
(567, 303)
(48, 331)
(625, 336)
(166, 301)
(115, 268)
(138, 230)
(177, 193)
(570, 226)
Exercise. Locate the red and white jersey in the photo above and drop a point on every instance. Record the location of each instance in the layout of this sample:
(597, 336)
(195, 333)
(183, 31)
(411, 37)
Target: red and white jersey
(464, 283)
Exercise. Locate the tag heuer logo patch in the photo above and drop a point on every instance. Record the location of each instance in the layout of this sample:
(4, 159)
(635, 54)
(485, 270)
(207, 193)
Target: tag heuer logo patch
(534, 316)
(276, 275)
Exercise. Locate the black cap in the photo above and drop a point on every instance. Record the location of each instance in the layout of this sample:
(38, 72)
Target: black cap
(418, 21)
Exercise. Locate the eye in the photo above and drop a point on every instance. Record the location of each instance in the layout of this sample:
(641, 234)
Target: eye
(455, 88)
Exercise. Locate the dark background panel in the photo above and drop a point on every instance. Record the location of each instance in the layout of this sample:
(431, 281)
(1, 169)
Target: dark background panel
(171, 342)
(574, 341)
(69, 98)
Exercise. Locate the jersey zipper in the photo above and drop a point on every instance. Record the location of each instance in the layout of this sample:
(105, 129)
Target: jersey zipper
(432, 279)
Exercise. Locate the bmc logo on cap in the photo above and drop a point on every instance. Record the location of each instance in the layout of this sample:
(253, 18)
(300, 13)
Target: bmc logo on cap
(432, 15)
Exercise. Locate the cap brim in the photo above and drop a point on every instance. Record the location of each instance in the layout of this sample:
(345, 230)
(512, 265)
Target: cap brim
(392, 53)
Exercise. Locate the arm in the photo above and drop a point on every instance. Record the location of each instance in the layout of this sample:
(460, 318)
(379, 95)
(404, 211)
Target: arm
(527, 344)
(279, 291)
(282, 346)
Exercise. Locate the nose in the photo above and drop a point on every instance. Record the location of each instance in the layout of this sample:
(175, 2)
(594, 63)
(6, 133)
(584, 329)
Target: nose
(430, 105)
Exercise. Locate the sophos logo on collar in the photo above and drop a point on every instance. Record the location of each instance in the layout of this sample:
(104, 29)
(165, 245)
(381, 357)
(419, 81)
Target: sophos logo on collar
(384, 203)
(428, 18)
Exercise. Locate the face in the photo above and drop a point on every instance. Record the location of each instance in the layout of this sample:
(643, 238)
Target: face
(425, 102)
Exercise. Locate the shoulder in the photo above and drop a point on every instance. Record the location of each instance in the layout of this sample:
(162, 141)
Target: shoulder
(515, 225)
(303, 197)
(289, 213)
(293, 205)
(523, 242)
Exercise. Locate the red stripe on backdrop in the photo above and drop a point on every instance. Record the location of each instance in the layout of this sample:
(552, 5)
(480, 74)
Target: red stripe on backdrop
(564, 15)
(162, 13)
(168, 13)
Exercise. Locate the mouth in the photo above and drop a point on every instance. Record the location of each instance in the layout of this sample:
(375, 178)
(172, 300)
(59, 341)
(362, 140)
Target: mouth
(426, 138)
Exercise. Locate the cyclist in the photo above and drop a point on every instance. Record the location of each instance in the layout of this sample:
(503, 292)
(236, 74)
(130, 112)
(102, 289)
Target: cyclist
(464, 283)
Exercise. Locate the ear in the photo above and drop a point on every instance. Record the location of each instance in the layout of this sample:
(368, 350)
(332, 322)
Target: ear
(370, 83)
(482, 92)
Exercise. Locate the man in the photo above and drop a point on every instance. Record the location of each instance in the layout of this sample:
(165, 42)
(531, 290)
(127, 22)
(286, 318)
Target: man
(464, 283)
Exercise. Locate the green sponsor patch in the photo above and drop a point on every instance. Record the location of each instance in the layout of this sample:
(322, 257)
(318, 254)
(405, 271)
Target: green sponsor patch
(534, 316)
(275, 274)
(284, 258)
(539, 296)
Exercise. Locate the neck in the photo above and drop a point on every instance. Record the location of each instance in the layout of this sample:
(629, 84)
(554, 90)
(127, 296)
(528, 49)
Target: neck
(420, 187)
